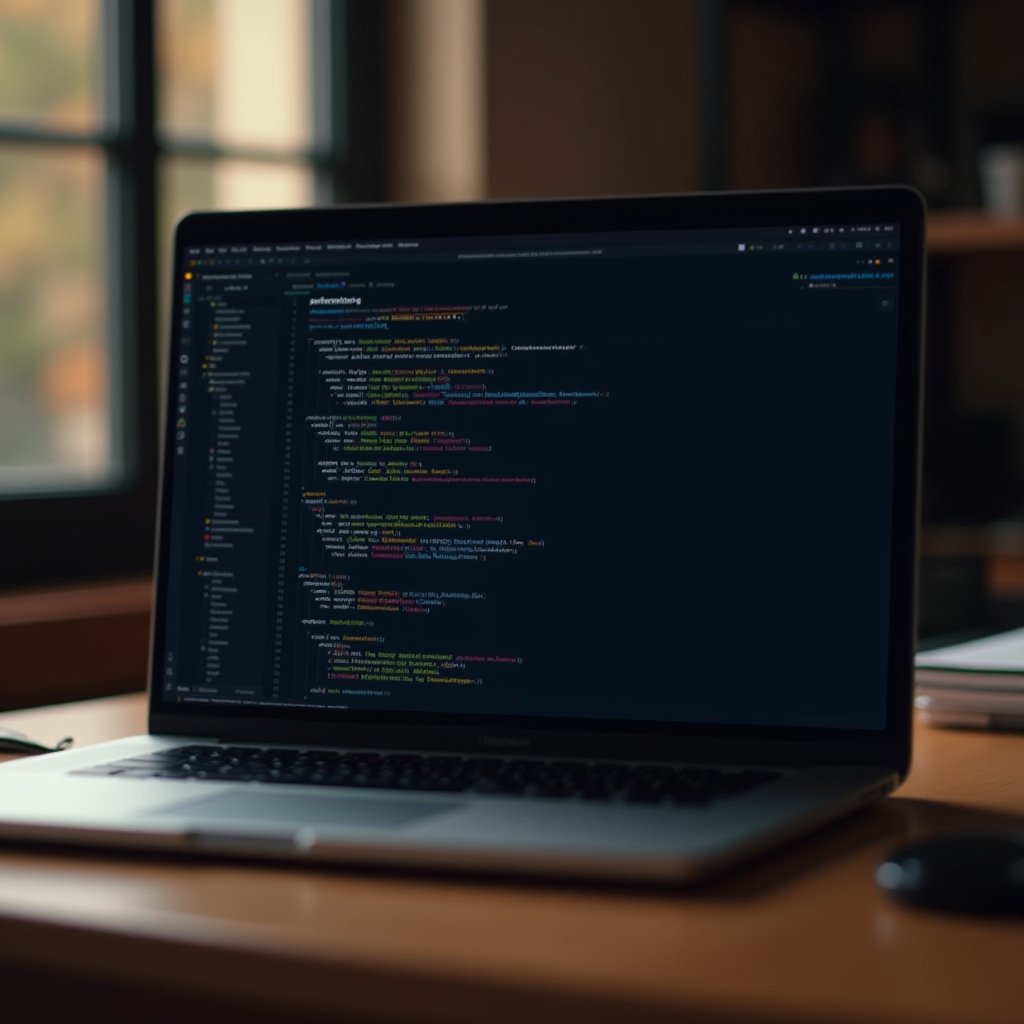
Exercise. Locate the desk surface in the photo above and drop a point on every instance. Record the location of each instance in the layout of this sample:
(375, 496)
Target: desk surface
(800, 936)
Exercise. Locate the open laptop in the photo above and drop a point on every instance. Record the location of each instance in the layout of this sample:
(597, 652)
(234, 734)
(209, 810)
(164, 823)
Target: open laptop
(570, 537)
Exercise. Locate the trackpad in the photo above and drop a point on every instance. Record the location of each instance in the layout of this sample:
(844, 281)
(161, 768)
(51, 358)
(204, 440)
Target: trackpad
(269, 809)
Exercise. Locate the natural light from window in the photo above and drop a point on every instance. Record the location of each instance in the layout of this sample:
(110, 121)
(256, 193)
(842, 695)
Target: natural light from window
(234, 124)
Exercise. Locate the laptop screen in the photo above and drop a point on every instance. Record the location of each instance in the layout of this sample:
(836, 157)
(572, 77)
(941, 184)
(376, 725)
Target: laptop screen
(631, 476)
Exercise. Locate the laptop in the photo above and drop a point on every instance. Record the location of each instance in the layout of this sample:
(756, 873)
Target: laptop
(553, 537)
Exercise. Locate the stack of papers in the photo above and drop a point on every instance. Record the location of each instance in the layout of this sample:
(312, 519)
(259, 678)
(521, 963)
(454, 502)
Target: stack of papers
(979, 683)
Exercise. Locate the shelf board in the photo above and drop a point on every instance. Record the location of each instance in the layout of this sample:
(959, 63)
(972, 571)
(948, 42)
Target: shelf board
(951, 232)
(56, 604)
(1005, 538)
(67, 644)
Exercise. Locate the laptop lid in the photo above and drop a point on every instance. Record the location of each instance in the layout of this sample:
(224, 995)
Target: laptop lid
(613, 477)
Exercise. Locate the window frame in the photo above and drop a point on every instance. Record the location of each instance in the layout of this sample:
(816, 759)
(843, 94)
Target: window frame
(75, 537)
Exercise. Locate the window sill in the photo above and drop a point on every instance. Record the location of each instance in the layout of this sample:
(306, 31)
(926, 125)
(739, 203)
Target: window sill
(70, 644)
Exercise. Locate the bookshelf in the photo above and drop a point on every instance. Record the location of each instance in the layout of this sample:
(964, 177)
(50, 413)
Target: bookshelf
(976, 329)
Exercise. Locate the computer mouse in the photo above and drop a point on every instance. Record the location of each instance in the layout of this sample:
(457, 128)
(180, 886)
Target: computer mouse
(970, 871)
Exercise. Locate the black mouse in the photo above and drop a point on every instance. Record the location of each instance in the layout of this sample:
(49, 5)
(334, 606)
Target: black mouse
(972, 871)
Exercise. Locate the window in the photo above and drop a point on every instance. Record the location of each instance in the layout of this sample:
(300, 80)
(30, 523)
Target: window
(116, 116)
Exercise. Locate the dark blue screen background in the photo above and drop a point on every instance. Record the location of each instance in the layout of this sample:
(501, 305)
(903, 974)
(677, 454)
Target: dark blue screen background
(705, 536)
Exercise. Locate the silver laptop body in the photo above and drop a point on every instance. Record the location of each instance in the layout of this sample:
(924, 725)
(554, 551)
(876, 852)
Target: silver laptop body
(566, 537)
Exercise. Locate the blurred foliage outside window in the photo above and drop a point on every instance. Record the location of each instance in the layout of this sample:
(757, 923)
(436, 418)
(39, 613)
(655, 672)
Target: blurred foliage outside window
(54, 382)
(234, 126)
(49, 63)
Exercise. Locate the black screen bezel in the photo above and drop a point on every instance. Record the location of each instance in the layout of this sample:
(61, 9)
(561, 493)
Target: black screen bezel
(582, 737)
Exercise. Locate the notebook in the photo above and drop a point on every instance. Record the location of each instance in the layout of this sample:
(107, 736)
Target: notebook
(520, 536)
(978, 683)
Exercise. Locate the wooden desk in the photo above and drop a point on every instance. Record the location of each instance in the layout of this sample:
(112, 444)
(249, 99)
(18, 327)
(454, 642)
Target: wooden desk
(801, 936)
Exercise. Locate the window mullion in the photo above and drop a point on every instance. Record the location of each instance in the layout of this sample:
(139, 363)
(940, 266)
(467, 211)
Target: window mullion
(46, 136)
(131, 205)
(363, 68)
(328, 96)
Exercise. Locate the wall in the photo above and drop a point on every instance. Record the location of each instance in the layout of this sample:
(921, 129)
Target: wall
(590, 97)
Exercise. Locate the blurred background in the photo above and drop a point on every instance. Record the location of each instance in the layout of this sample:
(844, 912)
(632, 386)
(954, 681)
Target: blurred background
(116, 116)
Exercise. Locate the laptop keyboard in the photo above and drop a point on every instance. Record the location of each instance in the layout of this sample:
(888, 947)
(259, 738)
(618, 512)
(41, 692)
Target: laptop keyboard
(585, 780)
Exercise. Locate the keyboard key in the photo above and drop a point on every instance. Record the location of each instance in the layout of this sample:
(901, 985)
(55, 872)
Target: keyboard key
(648, 784)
